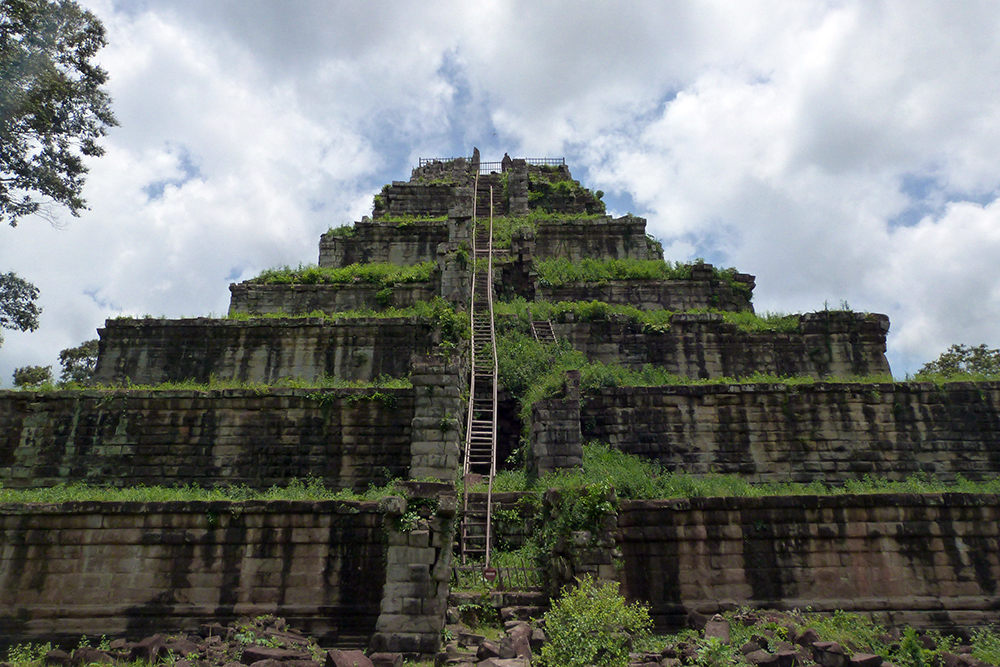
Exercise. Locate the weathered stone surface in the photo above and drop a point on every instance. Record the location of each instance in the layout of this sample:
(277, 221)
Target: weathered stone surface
(263, 350)
(112, 565)
(208, 438)
(338, 658)
(778, 433)
(252, 654)
(717, 627)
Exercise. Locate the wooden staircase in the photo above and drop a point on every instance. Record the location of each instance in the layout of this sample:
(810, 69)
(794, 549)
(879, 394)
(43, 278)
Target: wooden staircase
(479, 460)
(542, 331)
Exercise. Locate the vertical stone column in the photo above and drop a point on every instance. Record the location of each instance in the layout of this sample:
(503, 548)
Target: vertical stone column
(419, 530)
(556, 441)
(436, 427)
(517, 188)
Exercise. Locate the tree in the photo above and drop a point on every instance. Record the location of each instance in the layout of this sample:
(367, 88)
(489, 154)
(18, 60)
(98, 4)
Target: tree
(17, 304)
(964, 360)
(52, 106)
(78, 363)
(32, 376)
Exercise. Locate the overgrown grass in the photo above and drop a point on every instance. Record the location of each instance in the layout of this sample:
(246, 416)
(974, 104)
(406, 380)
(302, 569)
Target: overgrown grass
(454, 325)
(341, 231)
(637, 478)
(561, 271)
(406, 220)
(215, 384)
(311, 488)
(382, 274)
(655, 320)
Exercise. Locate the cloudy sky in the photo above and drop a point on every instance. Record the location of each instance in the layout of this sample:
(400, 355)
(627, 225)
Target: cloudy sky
(841, 151)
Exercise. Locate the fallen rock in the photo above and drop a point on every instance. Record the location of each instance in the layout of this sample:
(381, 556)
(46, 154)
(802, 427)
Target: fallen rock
(866, 660)
(830, 654)
(252, 654)
(338, 658)
(717, 627)
(58, 658)
(386, 659)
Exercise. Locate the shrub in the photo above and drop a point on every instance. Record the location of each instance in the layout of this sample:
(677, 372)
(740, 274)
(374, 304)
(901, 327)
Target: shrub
(591, 624)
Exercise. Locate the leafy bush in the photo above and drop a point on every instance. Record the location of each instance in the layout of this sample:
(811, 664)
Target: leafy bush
(341, 231)
(591, 624)
(986, 645)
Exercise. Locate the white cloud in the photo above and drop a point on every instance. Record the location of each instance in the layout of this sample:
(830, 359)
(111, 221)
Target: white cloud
(794, 139)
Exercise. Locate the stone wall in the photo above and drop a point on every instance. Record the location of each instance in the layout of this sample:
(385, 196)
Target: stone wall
(575, 239)
(930, 560)
(349, 438)
(374, 241)
(259, 350)
(701, 345)
(131, 569)
(258, 299)
(824, 431)
(409, 199)
(675, 295)
(420, 532)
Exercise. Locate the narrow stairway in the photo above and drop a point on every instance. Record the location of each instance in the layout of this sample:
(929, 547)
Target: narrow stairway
(480, 441)
(542, 331)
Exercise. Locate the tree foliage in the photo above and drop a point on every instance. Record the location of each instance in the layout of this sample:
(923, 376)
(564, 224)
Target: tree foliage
(591, 624)
(53, 108)
(17, 304)
(78, 363)
(31, 376)
(964, 360)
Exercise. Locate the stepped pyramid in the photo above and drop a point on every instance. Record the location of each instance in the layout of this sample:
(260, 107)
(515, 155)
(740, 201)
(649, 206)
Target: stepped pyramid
(474, 237)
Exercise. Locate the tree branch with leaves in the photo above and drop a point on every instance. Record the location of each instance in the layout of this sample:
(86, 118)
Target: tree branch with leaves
(53, 108)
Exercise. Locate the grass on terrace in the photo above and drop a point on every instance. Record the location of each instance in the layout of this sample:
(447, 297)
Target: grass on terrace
(382, 274)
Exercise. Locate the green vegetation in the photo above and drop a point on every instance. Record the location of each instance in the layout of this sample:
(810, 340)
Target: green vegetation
(532, 371)
(657, 320)
(29, 377)
(591, 624)
(406, 220)
(561, 271)
(635, 478)
(54, 107)
(311, 488)
(962, 363)
(382, 274)
(343, 231)
(17, 303)
(504, 227)
(215, 384)
(551, 196)
(454, 326)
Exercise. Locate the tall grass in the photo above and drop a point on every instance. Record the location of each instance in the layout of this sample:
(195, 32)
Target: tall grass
(382, 274)
(311, 488)
(594, 311)
(637, 478)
